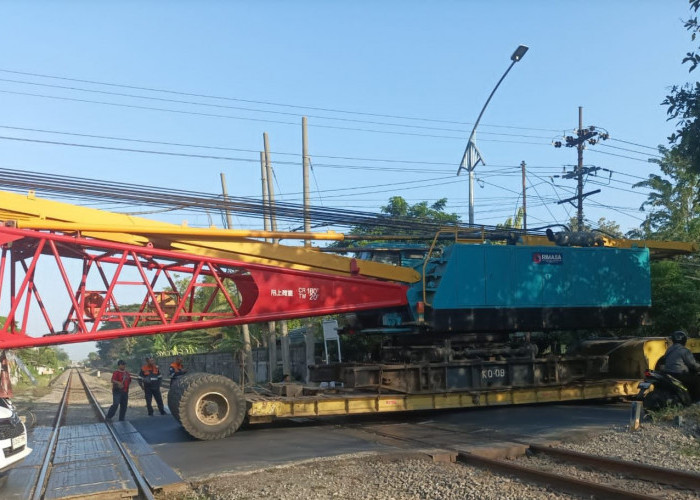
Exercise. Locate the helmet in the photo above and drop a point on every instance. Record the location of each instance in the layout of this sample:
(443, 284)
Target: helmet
(679, 337)
(148, 356)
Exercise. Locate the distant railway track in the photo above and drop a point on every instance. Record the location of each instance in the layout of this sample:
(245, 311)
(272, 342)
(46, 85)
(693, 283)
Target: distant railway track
(109, 471)
(599, 477)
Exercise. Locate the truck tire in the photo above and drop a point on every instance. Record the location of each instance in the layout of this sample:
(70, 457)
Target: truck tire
(208, 406)
(175, 394)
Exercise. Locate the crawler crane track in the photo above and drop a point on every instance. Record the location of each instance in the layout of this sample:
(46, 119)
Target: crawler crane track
(56, 471)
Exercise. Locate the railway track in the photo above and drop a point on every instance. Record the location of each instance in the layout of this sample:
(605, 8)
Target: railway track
(85, 457)
(589, 476)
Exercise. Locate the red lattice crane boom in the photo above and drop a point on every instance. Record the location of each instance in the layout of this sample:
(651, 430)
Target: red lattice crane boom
(94, 279)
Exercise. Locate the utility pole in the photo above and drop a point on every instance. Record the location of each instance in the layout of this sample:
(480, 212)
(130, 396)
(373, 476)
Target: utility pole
(270, 185)
(229, 221)
(579, 169)
(263, 180)
(249, 370)
(589, 135)
(271, 325)
(305, 165)
(522, 166)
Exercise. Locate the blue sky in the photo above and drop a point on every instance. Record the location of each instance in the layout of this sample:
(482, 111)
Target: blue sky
(362, 65)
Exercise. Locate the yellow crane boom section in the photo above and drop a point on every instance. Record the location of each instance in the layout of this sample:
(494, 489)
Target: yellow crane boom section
(30, 212)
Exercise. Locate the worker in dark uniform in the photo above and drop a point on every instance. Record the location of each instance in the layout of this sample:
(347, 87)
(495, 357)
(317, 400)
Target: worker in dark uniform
(681, 363)
(176, 369)
(121, 380)
(151, 378)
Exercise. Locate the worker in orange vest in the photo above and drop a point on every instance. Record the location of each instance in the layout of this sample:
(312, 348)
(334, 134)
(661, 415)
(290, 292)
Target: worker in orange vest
(176, 369)
(150, 378)
(121, 379)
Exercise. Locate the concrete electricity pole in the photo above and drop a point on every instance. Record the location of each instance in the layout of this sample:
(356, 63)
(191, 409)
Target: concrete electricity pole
(589, 135)
(305, 166)
(522, 166)
(249, 369)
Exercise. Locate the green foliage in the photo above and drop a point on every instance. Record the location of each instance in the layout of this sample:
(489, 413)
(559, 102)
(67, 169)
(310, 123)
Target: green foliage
(186, 342)
(675, 297)
(673, 205)
(690, 414)
(683, 103)
(673, 213)
(513, 222)
(49, 357)
(398, 209)
(609, 228)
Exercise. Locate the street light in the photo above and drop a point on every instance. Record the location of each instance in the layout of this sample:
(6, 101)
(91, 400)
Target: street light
(472, 156)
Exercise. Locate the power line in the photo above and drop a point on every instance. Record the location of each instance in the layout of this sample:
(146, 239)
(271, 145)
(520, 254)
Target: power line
(608, 207)
(269, 103)
(374, 186)
(225, 148)
(175, 199)
(241, 108)
(208, 157)
(619, 156)
(91, 146)
(631, 150)
(540, 197)
(230, 117)
(634, 144)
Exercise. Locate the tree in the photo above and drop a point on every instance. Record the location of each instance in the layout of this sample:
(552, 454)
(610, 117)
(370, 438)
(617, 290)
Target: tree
(673, 213)
(92, 359)
(675, 297)
(609, 228)
(683, 103)
(513, 222)
(49, 357)
(673, 202)
(421, 217)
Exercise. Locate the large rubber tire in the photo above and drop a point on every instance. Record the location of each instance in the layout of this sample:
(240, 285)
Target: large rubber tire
(208, 406)
(175, 395)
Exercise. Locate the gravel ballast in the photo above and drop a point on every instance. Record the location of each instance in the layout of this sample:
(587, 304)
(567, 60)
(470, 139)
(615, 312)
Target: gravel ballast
(415, 476)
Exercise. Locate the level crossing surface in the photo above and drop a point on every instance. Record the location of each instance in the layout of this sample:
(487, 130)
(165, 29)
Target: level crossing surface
(289, 441)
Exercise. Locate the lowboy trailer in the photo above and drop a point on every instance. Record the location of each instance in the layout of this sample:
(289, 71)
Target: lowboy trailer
(449, 321)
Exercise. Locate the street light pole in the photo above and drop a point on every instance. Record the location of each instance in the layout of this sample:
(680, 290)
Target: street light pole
(472, 156)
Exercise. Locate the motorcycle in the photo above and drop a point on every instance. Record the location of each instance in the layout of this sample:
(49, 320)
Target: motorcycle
(661, 390)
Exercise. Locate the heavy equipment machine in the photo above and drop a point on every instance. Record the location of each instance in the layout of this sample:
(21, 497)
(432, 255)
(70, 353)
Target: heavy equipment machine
(460, 324)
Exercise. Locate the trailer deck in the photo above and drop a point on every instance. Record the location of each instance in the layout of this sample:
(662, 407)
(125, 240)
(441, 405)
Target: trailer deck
(267, 408)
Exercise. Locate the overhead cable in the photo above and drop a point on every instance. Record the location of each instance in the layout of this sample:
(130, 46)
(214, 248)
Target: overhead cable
(269, 103)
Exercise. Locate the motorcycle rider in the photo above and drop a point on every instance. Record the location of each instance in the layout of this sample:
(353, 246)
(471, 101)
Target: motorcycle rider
(681, 363)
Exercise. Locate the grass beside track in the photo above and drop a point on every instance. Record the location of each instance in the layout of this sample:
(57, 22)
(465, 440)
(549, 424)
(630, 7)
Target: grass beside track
(688, 418)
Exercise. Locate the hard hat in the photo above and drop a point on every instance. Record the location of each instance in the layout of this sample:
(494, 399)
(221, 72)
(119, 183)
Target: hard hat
(679, 337)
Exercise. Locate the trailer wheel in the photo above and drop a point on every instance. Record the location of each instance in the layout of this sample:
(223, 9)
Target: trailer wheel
(208, 406)
(175, 395)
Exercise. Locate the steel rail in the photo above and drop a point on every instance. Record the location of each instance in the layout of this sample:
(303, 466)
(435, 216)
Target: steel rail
(565, 483)
(560, 482)
(649, 472)
(52, 442)
(143, 485)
